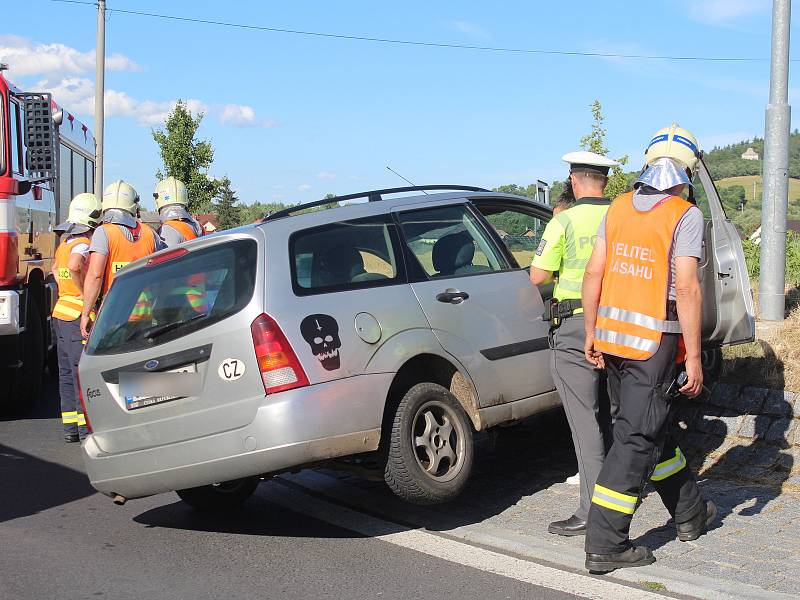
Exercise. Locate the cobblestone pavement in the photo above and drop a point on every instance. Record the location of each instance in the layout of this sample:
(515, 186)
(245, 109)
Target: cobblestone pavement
(518, 488)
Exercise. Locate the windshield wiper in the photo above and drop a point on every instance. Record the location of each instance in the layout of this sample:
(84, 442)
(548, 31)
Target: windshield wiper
(157, 330)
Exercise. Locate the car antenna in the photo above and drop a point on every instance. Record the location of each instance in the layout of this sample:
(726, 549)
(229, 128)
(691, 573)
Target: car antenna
(404, 179)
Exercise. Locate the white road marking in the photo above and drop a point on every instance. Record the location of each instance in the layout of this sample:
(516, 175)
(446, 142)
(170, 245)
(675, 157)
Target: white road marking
(453, 551)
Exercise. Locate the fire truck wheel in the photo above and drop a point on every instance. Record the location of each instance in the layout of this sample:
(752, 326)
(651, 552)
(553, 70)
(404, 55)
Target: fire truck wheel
(26, 381)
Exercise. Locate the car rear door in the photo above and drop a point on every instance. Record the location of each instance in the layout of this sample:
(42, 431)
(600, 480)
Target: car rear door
(728, 314)
(482, 308)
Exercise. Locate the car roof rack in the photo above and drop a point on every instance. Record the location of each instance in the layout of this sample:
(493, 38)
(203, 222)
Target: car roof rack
(373, 196)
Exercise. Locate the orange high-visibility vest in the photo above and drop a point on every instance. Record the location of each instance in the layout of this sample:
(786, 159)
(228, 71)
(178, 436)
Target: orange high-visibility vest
(122, 251)
(182, 227)
(632, 314)
(70, 297)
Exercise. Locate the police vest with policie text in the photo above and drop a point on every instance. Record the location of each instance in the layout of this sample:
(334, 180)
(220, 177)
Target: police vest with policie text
(632, 315)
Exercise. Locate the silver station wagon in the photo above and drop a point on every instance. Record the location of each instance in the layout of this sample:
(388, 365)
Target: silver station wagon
(398, 326)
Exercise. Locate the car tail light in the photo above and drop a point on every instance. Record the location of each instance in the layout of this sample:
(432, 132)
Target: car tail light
(161, 258)
(279, 366)
(83, 404)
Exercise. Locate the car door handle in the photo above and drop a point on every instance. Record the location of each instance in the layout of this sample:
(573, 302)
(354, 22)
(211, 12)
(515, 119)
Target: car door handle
(452, 296)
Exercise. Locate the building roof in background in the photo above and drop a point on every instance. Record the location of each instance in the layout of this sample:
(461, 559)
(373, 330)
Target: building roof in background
(208, 221)
(150, 217)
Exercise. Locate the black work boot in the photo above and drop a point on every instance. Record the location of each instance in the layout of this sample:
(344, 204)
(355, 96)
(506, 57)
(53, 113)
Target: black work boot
(569, 527)
(697, 525)
(635, 556)
(70, 437)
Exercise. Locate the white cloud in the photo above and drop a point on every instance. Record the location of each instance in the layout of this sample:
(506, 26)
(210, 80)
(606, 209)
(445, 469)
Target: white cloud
(62, 70)
(722, 12)
(27, 59)
(304, 187)
(325, 175)
(242, 115)
(470, 29)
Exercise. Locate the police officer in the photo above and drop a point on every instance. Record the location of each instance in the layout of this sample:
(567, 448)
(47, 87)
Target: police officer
(177, 225)
(641, 293)
(565, 249)
(120, 240)
(69, 270)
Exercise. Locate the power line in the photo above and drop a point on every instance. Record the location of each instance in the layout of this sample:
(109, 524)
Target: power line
(380, 40)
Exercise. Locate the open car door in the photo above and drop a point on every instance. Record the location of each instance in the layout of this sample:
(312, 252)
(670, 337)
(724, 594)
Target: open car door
(728, 314)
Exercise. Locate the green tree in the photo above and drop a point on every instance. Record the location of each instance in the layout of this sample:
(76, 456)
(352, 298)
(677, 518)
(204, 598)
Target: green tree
(228, 214)
(595, 141)
(187, 158)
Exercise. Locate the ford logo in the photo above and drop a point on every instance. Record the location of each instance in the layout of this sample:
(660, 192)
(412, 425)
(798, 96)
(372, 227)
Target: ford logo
(151, 364)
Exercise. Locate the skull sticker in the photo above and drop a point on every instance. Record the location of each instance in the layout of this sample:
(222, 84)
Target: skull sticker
(322, 334)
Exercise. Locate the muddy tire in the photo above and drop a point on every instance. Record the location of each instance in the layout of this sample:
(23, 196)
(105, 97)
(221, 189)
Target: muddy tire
(219, 496)
(431, 450)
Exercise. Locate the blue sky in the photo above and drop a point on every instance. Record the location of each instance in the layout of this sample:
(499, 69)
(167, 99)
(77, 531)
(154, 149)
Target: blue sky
(294, 117)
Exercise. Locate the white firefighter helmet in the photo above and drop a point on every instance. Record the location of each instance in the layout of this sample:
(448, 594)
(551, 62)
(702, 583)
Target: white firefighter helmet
(84, 214)
(676, 143)
(85, 209)
(171, 191)
(121, 195)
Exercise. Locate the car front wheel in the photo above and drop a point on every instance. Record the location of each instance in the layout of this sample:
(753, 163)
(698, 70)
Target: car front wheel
(219, 496)
(431, 448)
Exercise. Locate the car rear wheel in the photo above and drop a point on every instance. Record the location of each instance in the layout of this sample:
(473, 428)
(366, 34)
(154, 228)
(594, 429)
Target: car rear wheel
(220, 496)
(431, 448)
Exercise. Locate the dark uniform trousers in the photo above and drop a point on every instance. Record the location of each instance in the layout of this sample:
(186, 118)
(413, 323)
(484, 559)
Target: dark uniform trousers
(643, 448)
(583, 394)
(70, 347)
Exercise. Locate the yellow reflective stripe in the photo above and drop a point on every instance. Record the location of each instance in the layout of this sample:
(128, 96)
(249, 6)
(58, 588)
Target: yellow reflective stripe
(669, 467)
(69, 417)
(607, 504)
(617, 495)
(65, 312)
(81, 420)
(608, 498)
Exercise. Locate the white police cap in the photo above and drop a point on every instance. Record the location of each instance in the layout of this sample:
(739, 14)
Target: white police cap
(588, 162)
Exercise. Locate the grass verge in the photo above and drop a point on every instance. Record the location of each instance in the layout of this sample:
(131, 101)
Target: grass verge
(773, 360)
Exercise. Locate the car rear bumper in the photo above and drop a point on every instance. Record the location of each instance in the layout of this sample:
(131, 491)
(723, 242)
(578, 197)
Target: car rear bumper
(292, 428)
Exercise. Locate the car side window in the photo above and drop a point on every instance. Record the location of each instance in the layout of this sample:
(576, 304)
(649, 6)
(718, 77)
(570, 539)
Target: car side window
(520, 232)
(450, 242)
(343, 256)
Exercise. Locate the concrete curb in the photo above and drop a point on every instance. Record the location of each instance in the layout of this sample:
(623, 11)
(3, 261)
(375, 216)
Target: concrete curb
(532, 548)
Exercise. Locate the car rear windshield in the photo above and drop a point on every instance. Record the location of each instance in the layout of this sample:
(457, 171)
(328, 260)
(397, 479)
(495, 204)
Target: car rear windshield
(155, 304)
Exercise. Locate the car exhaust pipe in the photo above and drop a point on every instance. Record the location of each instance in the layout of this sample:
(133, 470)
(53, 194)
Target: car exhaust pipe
(119, 500)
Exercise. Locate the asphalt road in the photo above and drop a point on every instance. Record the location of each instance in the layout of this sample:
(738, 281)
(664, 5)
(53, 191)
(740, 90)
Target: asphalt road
(60, 539)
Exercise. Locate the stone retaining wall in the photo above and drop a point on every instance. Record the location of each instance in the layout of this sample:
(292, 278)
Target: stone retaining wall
(744, 433)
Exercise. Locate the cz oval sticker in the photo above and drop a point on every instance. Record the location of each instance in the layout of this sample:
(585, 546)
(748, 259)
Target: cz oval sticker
(231, 369)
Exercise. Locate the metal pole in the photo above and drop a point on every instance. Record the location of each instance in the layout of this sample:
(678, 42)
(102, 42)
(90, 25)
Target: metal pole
(772, 280)
(99, 94)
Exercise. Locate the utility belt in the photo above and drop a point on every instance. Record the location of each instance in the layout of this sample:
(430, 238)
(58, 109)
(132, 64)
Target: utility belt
(558, 310)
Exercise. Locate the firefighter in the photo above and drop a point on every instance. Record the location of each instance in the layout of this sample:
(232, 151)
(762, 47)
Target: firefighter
(69, 270)
(120, 240)
(177, 225)
(565, 249)
(641, 293)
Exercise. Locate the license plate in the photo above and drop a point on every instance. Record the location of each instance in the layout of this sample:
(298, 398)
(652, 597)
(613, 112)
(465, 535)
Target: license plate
(134, 402)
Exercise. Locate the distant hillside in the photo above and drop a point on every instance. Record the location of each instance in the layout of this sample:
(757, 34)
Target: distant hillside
(728, 162)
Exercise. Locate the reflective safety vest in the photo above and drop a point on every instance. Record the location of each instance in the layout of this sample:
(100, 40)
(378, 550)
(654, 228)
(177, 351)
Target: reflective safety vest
(580, 225)
(182, 227)
(122, 251)
(70, 297)
(632, 314)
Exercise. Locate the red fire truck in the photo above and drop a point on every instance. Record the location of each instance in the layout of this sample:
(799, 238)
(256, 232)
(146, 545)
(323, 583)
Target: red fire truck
(46, 157)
